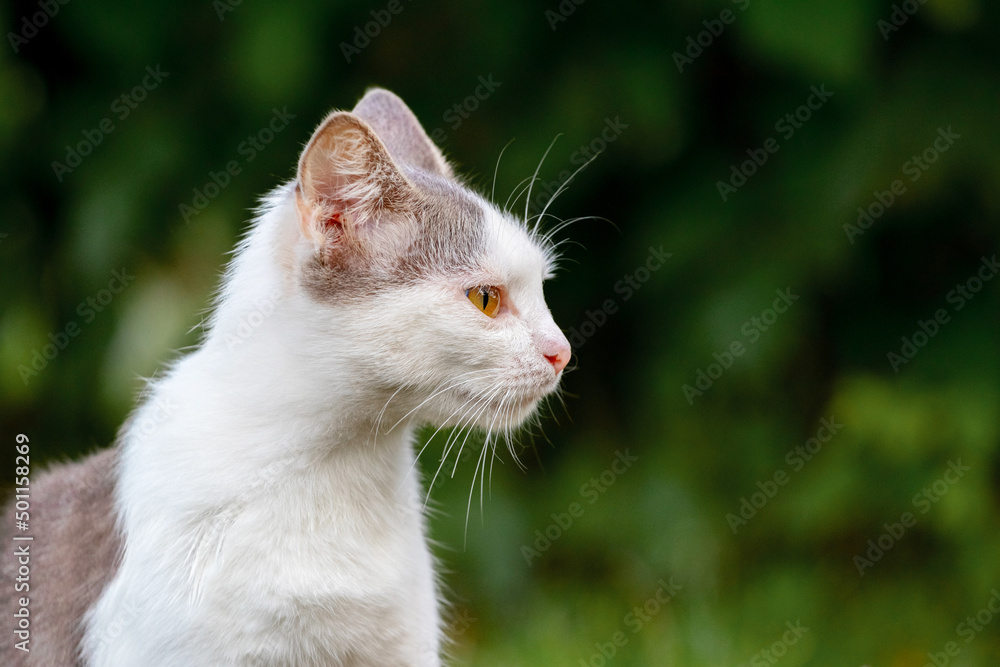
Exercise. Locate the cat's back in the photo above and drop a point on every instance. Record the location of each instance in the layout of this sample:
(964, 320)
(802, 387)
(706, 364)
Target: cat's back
(71, 558)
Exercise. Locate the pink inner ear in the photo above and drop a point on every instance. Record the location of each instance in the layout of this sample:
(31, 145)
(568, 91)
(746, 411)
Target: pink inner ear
(335, 220)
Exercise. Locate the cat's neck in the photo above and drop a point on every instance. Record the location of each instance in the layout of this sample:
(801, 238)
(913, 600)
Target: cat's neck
(248, 412)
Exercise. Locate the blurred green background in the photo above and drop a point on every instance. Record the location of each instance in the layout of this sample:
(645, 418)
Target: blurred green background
(680, 127)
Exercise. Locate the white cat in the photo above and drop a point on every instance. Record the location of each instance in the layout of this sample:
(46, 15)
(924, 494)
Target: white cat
(272, 513)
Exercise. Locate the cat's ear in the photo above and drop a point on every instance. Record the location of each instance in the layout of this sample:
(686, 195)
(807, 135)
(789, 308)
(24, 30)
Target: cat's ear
(347, 182)
(402, 133)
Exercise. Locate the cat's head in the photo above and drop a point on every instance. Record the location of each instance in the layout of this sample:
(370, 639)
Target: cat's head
(441, 290)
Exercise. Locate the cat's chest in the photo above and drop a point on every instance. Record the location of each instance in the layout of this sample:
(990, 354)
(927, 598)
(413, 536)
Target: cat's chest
(324, 575)
(331, 543)
(320, 570)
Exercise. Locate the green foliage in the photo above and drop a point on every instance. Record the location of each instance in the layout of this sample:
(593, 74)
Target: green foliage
(681, 132)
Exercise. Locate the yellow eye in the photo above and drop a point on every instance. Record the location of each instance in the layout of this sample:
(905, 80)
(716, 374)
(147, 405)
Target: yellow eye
(486, 298)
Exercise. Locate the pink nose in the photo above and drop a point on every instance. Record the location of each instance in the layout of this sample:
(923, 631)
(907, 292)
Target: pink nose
(560, 358)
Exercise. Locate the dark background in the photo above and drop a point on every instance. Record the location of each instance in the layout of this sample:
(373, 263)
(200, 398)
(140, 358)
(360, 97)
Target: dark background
(228, 67)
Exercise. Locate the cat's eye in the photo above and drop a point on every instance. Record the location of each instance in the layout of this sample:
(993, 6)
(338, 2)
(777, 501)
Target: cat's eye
(486, 298)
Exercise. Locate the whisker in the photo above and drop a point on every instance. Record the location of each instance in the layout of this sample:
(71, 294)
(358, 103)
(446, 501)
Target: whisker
(482, 458)
(507, 430)
(442, 390)
(559, 396)
(503, 414)
(565, 184)
(563, 224)
(519, 189)
(475, 471)
(381, 413)
(496, 170)
(527, 201)
(430, 439)
(485, 405)
(445, 421)
(555, 246)
(444, 457)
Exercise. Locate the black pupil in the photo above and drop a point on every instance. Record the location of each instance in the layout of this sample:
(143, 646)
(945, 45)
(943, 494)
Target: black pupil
(486, 297)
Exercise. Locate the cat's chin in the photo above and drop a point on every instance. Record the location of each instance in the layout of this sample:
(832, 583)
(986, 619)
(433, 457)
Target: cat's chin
(505, 412)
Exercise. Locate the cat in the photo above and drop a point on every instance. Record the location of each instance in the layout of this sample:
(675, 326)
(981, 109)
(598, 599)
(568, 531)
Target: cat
(261, 506)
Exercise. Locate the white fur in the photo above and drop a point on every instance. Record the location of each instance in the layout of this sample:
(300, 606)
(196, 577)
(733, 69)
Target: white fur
(270, 514)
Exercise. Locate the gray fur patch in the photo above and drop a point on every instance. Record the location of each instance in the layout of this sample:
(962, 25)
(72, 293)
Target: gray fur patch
(448, 236)
(73, 557)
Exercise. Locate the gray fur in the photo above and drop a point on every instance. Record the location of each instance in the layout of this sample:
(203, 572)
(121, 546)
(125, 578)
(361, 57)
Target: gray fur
(73, 557)
(451, 227)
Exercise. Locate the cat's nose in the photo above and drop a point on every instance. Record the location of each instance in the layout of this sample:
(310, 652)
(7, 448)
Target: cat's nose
(559, 360)
(557, 351)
